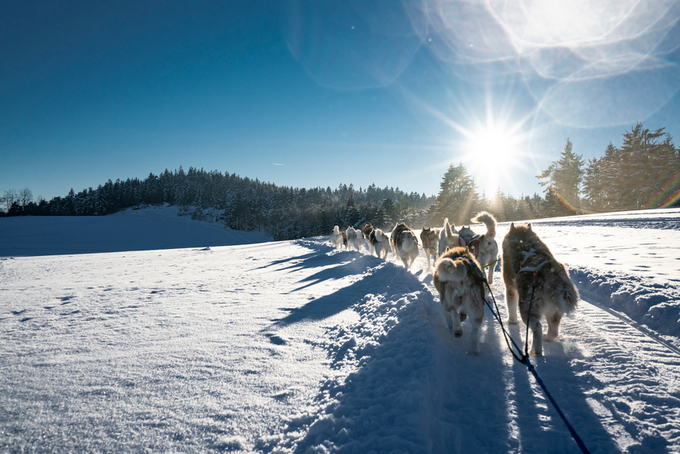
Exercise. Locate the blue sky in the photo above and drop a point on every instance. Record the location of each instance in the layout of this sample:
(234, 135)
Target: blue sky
(307, 94)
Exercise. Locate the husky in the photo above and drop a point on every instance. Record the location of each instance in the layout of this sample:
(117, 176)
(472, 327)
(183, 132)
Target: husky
(368, 228)
(380, 243)
(355, 239)
(460, 282)
(484, 247)
(533, 277)
(336, 237)
(430, 239)
(448, 237)
(404, 244)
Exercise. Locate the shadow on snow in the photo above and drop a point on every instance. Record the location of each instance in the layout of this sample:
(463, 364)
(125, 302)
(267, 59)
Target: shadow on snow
(411, 387)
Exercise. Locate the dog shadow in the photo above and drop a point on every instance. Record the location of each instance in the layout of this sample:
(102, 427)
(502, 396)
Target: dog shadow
(370, 272)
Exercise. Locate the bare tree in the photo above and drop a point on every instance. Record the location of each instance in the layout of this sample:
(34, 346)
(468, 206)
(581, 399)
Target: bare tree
(8, 198)
(24, 197)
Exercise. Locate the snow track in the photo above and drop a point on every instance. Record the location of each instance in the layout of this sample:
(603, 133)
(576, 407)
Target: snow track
(617, 384)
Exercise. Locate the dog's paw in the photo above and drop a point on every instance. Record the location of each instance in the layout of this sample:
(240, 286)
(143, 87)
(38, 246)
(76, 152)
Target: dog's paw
(458, 333)
(513, 322)
(550, 338)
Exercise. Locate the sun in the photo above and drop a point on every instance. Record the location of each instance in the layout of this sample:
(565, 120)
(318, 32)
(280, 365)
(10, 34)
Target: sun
(490, 153)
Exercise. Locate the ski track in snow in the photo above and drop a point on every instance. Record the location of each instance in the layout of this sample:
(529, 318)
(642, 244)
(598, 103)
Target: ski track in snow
(296, 347)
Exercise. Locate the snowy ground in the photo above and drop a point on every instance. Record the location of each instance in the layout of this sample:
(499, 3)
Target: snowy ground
(297, 347)
(130, 230)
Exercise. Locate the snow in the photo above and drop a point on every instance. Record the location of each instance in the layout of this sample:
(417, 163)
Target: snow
(130, 230)
(166, 337)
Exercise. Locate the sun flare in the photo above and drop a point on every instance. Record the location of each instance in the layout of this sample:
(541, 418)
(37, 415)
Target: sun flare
(491, 152)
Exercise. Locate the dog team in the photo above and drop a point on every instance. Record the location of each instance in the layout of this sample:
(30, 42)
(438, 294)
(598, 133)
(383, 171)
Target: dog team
(535, 283)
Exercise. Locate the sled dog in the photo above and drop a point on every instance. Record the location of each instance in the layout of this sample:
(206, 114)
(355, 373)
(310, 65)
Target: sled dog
(459, 280)
(355, 239)
(484, 247)
(404, 244)
(380, 243)
(529, 269)
(368, 228)
(430, 239)
(448, 237)
(336, 237)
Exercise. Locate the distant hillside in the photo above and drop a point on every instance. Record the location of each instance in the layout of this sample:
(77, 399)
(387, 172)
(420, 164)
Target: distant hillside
(130, 230)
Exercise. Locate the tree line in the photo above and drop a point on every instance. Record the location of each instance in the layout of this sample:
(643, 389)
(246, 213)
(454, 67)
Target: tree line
(643, 173)
(242, 203)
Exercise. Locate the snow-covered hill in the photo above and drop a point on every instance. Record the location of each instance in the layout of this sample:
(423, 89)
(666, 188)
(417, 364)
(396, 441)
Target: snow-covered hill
(298, 347)
(143, 229)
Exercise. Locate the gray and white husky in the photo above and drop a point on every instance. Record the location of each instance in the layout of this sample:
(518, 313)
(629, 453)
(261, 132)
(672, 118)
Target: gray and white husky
(430, 239)
(337, 237)
(404, 244)
(483, 246)
(448, 237)
(460, 283)
(380, 243)
(355, 239)
(534, 278)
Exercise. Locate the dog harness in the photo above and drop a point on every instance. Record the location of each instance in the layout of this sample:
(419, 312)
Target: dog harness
(531, 269)
(473, 244)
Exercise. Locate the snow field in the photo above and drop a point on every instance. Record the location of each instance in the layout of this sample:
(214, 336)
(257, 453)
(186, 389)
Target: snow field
(295, 347)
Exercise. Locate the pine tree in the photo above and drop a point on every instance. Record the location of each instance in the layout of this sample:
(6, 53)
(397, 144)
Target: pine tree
(563, 179)
(458, 199)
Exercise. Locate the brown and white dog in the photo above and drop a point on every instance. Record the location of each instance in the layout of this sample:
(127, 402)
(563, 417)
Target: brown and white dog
(459, 280)
(380, 243)
(404, 244)
(448, 237)
(368, 228)
(337, 237)
(533, 277)
(430, 239)
(484, 247)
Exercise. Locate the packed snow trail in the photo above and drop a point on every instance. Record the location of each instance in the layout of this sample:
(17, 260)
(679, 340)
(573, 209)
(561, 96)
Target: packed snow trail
(491, 403)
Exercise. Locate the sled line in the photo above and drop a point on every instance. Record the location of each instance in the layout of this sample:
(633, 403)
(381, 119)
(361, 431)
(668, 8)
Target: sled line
(525, 360)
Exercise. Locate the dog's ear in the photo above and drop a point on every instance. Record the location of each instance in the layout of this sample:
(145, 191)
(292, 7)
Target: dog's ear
(512, 226)
(529, 226)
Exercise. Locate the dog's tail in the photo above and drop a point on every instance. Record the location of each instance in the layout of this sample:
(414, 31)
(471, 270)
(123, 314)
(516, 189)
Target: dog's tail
(568, 299)
(488, 220)
(449, 270)
(568, 295)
